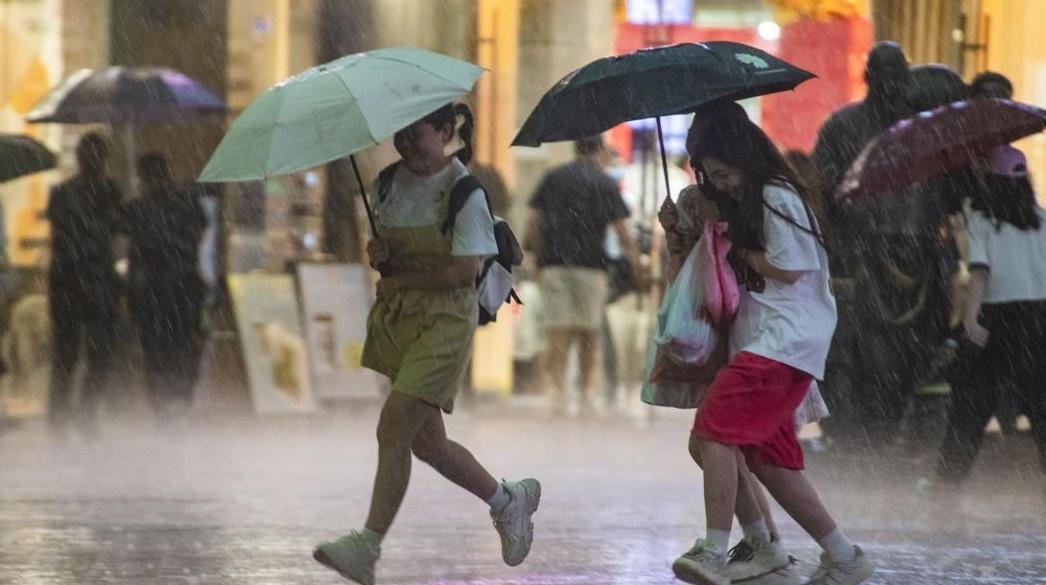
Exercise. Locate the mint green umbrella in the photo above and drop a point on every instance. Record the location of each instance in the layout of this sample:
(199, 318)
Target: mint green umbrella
(335, 110)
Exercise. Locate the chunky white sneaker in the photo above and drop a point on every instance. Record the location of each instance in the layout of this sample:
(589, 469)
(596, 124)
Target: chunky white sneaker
(754, 558)
(513, 522)
(351, 556)
(838, 573)
(702, 565)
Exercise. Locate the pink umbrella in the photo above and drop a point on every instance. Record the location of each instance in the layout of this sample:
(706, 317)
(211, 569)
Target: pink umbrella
(937, 141)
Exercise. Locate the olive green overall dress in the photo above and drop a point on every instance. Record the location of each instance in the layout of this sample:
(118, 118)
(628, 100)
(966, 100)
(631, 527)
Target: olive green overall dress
(422, 339)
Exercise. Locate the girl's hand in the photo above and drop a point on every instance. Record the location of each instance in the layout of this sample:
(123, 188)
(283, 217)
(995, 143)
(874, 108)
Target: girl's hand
(377, 252)
(668, 215)
(976, 332)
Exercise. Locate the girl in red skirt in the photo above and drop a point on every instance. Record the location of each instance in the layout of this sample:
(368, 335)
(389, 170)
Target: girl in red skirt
(778, 342)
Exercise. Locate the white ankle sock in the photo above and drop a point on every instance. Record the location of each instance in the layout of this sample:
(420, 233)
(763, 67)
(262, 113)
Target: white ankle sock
(757, 530)
(372, 537)
(500, 499)
(838, 546)
(720, 539)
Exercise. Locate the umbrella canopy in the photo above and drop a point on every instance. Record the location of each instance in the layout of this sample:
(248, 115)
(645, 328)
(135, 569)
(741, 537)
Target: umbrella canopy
(934, 142)
(654, 82)
(22, 155)
(337, 109)
(121, 95)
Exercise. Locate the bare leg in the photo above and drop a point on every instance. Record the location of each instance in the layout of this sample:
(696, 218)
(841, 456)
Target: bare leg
(795, 494)
(556, 351)
(752, 504)
(720, 467)
(590, 363)
(401, 420)
(452, 460)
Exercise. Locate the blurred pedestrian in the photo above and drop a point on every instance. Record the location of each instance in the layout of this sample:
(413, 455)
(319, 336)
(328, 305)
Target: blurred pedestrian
(991, 84)
(778, 345)
(1004, 317)
(570, 212)
(867, 384)
(84, 212)
(166, 292)
(419, 334)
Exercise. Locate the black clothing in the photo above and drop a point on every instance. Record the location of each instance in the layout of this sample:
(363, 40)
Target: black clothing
(83, 291)
(577, 202)
(1015, 354)
(166, 291)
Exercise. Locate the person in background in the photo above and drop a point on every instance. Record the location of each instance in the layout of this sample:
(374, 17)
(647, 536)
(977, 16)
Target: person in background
(419, 334)
(990, 84)
(1004, 317)
(84, 291)
(570, 212)
(166, 292)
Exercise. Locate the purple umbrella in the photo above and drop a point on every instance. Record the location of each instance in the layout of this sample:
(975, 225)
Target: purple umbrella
(121, 95)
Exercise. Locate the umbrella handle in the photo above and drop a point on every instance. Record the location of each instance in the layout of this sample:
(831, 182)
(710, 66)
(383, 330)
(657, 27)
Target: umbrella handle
(363, 193)
(664, 158)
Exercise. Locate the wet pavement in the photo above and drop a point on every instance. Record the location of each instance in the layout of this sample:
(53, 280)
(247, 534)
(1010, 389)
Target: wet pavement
(242, 500)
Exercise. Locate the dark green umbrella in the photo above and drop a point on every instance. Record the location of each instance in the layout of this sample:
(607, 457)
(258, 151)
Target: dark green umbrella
(650, 83)
(22, 155)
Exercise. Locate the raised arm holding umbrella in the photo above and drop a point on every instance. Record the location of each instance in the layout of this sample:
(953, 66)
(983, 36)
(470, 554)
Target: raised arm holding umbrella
(420, 328)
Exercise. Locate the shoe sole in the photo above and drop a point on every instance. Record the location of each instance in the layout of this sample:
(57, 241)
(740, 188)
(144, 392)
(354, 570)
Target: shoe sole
(532, 492)
(781, 570)
(321, 557)
(696, 575)
(786, 575)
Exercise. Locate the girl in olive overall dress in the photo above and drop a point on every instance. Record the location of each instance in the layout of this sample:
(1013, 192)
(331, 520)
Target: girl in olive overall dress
(419, 334)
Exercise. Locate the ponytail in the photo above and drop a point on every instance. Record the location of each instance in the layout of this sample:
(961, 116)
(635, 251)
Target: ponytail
(448, 116)
(464, 132)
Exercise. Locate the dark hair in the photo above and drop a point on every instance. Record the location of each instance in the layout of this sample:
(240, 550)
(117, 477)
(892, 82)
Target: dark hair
(92, 149)
(154, 165)
(589, 145)
(743, 145)
(447, 116)
(1008, 199)
(980, 83)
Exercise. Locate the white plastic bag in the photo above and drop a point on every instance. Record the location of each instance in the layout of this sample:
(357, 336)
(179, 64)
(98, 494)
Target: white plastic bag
(686, 350)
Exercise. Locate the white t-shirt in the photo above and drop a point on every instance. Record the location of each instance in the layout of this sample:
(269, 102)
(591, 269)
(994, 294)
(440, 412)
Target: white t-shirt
(414, 200)
(1016, 260)
(789, 323)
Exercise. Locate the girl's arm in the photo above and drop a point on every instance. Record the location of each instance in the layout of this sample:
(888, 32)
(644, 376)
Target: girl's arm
(975, 296)
(462, 273)
(756, 259)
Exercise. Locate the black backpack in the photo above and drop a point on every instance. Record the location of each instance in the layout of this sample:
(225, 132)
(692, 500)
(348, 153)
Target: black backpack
(510, 253)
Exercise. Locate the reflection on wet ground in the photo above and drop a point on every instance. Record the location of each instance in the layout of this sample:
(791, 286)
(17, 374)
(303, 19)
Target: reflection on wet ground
(243, 500)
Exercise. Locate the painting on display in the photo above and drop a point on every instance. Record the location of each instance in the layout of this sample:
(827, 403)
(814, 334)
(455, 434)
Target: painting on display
(335, 301)
(272, 341)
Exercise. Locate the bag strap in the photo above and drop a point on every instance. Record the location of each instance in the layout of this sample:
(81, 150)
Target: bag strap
(385, 179)
(459, 195)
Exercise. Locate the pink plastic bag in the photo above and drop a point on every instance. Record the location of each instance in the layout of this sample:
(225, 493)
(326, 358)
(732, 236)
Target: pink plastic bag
(721, 295)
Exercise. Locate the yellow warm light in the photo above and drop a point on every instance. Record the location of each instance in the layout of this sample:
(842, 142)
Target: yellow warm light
(792, 10)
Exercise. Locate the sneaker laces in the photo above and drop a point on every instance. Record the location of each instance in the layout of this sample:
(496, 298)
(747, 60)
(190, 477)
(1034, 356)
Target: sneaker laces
(741, 553)
(700, 547)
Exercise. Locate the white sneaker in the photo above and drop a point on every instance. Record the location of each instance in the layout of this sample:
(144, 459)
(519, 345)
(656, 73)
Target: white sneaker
(754, 558)
(839, 573)
(513, 522)
(702, 565)
(351, 556)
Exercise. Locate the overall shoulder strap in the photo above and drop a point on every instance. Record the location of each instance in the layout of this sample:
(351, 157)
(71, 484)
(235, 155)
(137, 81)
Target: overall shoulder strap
(385, 180)
(459, 195)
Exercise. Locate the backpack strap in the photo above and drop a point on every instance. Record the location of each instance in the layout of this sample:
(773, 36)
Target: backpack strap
(385, 180)
(459, 195)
